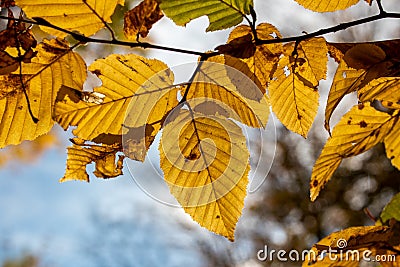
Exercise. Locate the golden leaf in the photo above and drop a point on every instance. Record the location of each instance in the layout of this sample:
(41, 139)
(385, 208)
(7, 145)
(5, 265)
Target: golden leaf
(103, 156)
(352, 245)
(326, 5)
(345, 81)
(206, 169)
(260, 59)
(384, 89)
(359, 65)
(54, 66)
(358, 131)
(293, 88)
(392, 144)
(141, 18)
(231, 89)
(84, 16)
(130, 83)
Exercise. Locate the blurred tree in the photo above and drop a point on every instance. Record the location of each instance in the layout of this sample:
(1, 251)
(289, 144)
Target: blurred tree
(23, 261)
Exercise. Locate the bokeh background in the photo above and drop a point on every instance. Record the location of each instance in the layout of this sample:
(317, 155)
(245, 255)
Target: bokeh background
(114, 223)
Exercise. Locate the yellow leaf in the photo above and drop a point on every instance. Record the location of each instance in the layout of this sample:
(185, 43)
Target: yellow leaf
(84, 16)
(141, 18)
(103, 156)
(293, 88)
(345, 81)
(392, 145)
(326, 5)
(42, 79)
(358, 131)
(352, 245)
(260, 59)
(231, 90)
(130, 83)
(384, 89)
(359, 65)
(205, 163)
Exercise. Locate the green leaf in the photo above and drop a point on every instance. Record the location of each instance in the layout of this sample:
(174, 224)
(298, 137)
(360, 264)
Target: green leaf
(392, 209)
(222, 14)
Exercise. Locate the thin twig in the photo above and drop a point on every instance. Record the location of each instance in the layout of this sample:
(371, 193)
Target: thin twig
(381, 10)
(145, 45)
(20, 58)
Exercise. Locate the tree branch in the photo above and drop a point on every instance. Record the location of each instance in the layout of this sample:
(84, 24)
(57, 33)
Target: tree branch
(83, 39)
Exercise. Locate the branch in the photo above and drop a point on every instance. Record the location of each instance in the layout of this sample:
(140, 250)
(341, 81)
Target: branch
(83, 39)
(339, 27)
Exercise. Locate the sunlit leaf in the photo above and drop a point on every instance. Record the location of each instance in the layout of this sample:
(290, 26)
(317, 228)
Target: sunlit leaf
(54, 66)
(135, 92)
(358, 131)
(349, 246)
(231, 90)
(205, 163)
(392, 144)
(260, 59)
(326, 5)
(84, 16)
(293, 88)
(222, 14)
(384, 89)
(141, 18)
(359, 65)
(103, 156)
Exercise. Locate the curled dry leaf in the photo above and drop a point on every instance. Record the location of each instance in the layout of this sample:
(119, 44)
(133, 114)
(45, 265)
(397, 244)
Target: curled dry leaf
(79, 156)
(141, 18)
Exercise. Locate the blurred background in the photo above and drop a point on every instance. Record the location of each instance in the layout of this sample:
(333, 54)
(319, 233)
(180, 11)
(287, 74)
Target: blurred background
(114, 223)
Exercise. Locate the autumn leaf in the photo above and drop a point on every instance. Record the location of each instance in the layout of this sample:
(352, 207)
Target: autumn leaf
(129, 83)
(326, 5)
(205, 163)
(384, 89)
(54, 66)
(16, 45)
(359, 65)
(260, 59)
(392, 144)
(84, 16)
(222, 14)
(230, 89)
(358, 131)
(293, 88)
(391, 210)
(79, 156)
(141, 18)
(348, 247)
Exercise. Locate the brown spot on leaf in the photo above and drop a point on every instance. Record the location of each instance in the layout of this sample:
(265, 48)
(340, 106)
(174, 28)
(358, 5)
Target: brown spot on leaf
(97, 72)
(315, 183)
(217, 217)
(392, 157)
(363, 124)
(360, 106)
(390, 103)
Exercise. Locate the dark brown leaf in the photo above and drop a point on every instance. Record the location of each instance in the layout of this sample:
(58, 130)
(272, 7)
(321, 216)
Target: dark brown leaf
(141, 18)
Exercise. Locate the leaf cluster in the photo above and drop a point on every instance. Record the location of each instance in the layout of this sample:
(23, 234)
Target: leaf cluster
(203, 151)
